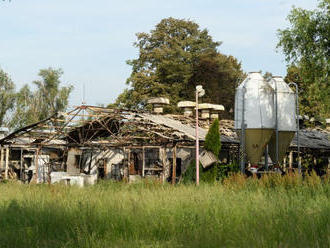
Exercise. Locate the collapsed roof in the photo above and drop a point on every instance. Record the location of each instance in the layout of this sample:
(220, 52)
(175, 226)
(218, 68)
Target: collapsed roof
(98, 126)
(92, 126)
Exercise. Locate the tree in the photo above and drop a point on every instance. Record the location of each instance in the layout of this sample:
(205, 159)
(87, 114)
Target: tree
(213, 144)
(51, 96)
(219, 74)
(7, 93)
(175, 57)
(306, 45)
(47, 99)
(212, 139)
(268, 76)
(25, 108)
(294, 75)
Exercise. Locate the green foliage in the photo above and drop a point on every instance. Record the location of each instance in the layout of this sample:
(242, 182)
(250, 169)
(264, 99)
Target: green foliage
(47, 99)
(207, 175)
(212, 139)
(189, 176)
(213, 144)
(7, 94)
(234, 167)
(215, 171)
(306, 47)
(175, 57)
(268, 76)
(290, 212)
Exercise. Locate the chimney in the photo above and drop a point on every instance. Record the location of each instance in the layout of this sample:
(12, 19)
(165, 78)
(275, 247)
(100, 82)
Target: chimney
(188, 107)
(158, 104)
(215, 111)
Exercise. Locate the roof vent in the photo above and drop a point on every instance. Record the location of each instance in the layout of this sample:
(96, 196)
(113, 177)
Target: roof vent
(205, 109)
(327, 121)
(215, 111)
(188, 107)
(158, 104)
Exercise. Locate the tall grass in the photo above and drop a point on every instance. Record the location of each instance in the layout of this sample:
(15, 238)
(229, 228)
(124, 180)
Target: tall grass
(272, 212)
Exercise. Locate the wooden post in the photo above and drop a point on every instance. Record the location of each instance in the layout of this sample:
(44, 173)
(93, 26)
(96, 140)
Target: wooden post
(162, 157)
(36, 163)
(1, 157)
(174, 165)
(128, 162)
(21, 166)
(105, 168)
(290, 160)
(143, 161)
(7, 163)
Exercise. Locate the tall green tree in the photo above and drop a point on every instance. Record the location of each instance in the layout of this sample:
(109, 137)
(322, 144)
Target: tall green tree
(48, 98)
(214, 172)
(175, 57)
(306, 45)
(7, 93)
(212, 144)
(50, 95)
(212, 139)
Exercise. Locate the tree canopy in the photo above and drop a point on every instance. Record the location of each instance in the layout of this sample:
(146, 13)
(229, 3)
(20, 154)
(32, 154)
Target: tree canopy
(7, 92)
(175, 57)
(48, 98)
(306, 45)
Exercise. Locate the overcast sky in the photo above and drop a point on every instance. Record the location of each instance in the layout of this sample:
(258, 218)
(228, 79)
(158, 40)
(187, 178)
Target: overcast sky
(92, 39)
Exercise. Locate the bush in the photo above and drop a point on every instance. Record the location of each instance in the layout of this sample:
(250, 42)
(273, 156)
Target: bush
(207, 175)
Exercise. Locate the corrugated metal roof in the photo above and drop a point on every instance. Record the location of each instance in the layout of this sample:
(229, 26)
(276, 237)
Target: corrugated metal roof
(177, 125)
(186, 129)
(313, 139)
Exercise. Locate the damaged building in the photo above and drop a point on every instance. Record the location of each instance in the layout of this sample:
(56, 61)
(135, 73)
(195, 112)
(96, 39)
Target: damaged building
(91, 143)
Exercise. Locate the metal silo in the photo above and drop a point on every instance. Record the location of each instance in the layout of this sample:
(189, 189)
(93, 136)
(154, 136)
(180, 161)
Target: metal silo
(286, 118)
(254, 106)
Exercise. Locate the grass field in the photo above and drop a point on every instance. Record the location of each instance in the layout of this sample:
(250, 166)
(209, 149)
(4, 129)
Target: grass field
(272, 212)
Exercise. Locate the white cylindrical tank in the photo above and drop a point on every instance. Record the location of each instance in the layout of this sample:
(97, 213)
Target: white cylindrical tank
(286, 118)
(258, 98)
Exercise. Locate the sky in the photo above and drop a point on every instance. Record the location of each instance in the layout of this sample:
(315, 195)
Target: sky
(91, 40)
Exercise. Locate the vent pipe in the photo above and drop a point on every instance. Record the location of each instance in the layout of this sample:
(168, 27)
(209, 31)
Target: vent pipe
(205, 109)
(188, 107)
(158, 104)
(327, 121)
(216, 108)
